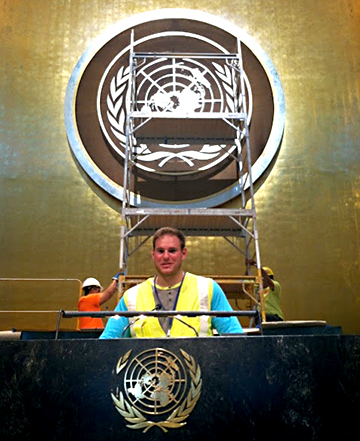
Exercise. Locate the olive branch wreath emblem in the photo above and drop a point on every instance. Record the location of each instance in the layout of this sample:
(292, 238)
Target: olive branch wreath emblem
(178, 416)
(116, 114)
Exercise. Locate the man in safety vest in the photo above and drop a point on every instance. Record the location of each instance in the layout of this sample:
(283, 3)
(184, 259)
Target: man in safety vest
(170, 290)
(272, 294)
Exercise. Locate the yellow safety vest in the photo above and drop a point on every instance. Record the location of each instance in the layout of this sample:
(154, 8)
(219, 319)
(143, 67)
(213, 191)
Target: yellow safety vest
(195, 295)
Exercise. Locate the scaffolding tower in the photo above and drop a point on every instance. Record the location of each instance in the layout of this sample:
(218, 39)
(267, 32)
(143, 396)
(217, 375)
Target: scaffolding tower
(237, 226)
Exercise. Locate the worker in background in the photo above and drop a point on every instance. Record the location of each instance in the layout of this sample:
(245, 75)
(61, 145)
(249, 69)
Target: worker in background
(172, 289)
(272, 294)
(91, 300)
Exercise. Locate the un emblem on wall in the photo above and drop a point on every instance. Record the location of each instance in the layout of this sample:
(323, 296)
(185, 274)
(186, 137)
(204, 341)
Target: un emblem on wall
(156, 389)
(168, 85)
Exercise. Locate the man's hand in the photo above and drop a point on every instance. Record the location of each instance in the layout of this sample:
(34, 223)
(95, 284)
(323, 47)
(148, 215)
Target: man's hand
(250, 262)
(116, 277)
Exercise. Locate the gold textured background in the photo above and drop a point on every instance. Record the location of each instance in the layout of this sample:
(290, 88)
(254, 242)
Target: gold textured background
(56, 224)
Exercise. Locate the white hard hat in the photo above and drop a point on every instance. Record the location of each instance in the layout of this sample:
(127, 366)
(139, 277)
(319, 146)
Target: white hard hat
(90, 281)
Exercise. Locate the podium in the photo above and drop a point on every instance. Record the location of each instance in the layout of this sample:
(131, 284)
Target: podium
(238, 387)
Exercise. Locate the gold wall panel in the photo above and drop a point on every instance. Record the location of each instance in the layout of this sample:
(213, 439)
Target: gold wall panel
(56, 224)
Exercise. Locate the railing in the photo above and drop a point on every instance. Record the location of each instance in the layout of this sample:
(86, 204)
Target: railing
(132, 314)
(61, 313)
(27, 291)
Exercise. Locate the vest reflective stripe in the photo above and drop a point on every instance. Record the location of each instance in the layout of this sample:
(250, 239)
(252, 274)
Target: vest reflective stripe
(130, 301)
(140, 298)
(204, 289)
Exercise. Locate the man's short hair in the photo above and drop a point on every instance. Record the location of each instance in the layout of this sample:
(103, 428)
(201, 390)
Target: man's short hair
(87, 289)
(172, 232)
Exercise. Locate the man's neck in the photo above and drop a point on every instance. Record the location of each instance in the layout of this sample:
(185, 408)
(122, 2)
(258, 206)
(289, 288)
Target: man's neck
(166, 281)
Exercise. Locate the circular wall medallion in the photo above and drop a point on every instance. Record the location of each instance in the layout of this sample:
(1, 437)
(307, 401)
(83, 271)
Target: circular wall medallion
(167, 85)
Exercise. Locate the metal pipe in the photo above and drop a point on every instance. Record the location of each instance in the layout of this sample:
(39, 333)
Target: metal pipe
(72, 314)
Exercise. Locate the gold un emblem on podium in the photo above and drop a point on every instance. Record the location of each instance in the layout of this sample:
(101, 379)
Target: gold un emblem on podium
(156, 388)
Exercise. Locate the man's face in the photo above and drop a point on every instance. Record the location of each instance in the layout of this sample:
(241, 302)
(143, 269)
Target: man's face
(168, 256)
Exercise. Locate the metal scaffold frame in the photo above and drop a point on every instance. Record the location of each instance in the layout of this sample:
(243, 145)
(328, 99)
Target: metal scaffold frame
(237, 226)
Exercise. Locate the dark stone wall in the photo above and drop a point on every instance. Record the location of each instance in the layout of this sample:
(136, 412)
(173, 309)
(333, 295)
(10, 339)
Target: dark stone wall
(286, 387)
